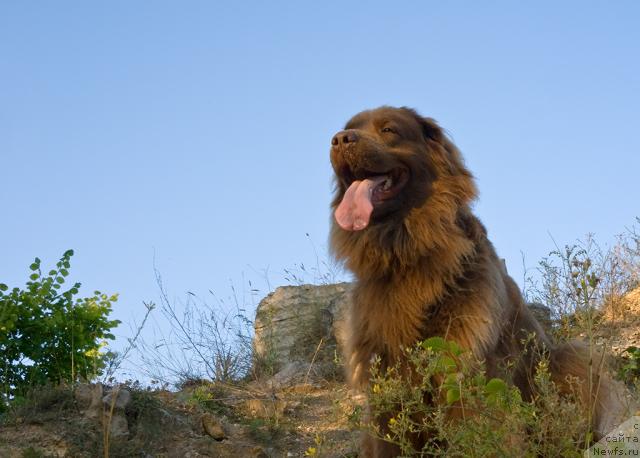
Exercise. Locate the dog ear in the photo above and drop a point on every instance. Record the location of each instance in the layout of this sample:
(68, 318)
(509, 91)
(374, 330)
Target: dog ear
(431, 129)
(452, 161)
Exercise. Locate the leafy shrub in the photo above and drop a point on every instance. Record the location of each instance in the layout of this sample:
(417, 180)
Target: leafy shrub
(584, 281)
(491, 417)
(47, 335)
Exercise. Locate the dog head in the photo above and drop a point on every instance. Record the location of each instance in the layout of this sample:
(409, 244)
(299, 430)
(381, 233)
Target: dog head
(390, 162)
(402, 192)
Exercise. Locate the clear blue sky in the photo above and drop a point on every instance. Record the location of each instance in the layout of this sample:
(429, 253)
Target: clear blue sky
(198, 132)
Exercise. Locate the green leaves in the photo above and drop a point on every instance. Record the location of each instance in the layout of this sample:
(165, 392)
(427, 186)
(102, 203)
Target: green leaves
(452, 384)
(432, 381)
(631, 369)
(453, 395)
(61, 334)
(446, 352)
(446, 361)
(445, 364)
(439, 345)
(436, 344)
(495, 386)
(495, 391)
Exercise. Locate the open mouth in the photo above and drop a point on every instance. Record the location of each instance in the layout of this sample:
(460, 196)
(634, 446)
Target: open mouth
(366, 191)
(382, 186)
(388, 185)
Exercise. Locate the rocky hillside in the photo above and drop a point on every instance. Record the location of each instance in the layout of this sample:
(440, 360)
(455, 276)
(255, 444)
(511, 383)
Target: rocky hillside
(294, 404)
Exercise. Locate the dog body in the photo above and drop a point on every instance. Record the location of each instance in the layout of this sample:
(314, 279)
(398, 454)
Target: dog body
(423, 263)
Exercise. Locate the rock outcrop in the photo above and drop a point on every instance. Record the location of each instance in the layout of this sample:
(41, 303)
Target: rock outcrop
(301, 324)
(109, 407)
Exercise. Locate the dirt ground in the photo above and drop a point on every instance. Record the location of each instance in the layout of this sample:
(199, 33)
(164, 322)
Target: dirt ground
(202, 420)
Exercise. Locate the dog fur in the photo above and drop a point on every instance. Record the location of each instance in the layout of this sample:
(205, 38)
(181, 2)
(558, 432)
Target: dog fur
(424, 266)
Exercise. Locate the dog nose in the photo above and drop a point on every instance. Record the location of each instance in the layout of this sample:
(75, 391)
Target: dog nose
(344, 137)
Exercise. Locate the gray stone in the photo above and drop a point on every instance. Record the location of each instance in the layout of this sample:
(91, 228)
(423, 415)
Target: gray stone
(542, 313)
(83, 394)
(89, 399)
(98, 407)
(118, 425)
(114, 404)
(300, 323)
(122, 398)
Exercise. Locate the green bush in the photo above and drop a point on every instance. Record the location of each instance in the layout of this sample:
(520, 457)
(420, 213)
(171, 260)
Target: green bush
(47, 335)
(460, 412)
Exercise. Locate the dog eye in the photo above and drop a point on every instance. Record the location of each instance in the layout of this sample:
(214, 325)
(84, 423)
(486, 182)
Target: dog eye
(389, 129)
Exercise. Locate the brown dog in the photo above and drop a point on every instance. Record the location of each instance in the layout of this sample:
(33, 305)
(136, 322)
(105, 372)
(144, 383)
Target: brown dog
(422, 261)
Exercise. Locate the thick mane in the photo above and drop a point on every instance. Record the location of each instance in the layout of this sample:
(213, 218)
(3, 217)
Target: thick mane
(426, 231)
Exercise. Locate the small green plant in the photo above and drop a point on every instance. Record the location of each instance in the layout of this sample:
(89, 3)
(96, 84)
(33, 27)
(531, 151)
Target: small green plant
(317, 448)
(354, 418)
(460, 412)
(208, 396)
(47, 335)
(630, 370)
(572, 287)
(584, 282)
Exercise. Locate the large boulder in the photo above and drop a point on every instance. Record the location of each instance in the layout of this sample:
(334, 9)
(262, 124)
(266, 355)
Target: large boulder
(301, 323)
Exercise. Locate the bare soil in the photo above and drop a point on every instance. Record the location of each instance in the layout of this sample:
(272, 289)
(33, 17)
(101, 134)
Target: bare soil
(318, 419)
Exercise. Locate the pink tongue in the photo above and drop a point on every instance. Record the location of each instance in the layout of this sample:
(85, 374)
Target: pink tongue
(354, 211)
